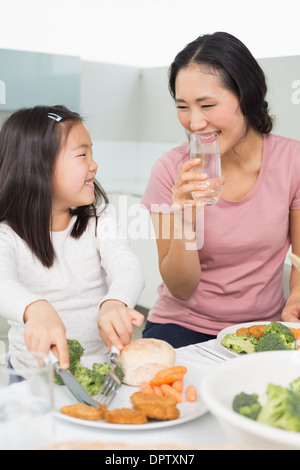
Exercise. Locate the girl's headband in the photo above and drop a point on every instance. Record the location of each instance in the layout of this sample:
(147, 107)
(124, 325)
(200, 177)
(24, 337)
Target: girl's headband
(56, 117)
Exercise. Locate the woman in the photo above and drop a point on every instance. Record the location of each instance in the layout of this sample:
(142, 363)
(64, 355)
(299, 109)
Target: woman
(236, 276)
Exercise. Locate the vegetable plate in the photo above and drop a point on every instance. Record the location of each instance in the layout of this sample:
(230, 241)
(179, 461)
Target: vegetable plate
(247, 338)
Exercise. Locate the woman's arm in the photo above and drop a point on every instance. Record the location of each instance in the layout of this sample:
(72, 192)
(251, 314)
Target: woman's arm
(178, 258)
(179, 262)
(291, 311)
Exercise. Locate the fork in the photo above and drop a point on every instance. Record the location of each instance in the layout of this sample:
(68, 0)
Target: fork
(111, 383)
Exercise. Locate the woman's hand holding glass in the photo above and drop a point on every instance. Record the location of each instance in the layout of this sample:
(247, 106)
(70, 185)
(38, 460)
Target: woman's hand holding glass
(184, 187)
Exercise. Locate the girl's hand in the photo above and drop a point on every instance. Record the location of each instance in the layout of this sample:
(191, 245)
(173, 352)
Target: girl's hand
(44, 330)
(115, 323)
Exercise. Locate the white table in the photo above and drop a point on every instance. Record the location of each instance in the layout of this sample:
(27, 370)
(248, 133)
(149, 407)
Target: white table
(201, 432)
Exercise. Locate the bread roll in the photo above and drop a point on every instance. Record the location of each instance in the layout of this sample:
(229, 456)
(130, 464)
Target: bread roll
(143, 358)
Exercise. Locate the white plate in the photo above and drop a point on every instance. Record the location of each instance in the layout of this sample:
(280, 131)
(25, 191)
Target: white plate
(188, 411)
(234, 328)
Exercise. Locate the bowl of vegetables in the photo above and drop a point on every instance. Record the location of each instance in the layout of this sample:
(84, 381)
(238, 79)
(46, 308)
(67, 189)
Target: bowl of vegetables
(256, 399)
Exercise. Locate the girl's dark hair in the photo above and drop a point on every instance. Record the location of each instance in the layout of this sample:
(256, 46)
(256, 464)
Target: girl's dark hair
(240, 73)
(29, 144)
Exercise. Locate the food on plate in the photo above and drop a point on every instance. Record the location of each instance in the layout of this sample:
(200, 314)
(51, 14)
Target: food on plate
(91, 379)
(81, 411)
(169, 375)
(247, 405)
(253, 330)
(125, 416)
(154, 406)
(169, 382)
(191, 393)
(169, 391)
(281, 409)
(143, 358)
(75, 353)
(275, 336)
(240, 343)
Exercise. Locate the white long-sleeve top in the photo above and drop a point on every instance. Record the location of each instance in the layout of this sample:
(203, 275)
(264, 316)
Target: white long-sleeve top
(87, 271)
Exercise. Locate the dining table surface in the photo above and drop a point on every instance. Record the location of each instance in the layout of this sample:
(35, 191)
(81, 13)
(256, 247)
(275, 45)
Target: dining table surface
(201, 431)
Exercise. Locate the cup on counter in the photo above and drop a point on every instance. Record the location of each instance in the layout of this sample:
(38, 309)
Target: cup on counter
(26, 401)
(205, 145)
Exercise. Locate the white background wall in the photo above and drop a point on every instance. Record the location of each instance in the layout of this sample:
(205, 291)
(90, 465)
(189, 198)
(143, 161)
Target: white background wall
(146, 33)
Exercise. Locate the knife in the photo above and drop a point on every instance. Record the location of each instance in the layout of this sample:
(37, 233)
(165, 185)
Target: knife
(72, 383)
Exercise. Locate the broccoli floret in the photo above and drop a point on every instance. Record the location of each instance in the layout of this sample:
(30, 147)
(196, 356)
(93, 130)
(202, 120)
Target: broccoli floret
(271, 342)
(295, 386)
(89, 379)
(247, 405)
(101, 369)
(75, 353)
(282, 408)
(283, 331)
(240, 343)
(119, 373)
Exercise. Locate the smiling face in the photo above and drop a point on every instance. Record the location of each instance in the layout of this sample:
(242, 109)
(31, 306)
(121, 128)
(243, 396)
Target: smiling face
(75, 171)
(204, 104)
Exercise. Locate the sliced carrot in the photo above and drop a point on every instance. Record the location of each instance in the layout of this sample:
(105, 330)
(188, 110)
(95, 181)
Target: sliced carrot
(145, 387)
(157, 390)
(296, 332)
(169, 391)
(191, 393)
(178, 385)
(166, 379)
(171, 370)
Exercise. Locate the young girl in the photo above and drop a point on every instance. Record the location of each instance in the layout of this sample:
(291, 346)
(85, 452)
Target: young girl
(65, 270)
(236, 277)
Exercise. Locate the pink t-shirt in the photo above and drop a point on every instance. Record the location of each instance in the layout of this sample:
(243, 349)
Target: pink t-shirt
(245, 243)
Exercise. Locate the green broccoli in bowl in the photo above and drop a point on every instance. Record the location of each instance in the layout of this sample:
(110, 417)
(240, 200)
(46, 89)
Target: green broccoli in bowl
(247, 405)
(281, 407)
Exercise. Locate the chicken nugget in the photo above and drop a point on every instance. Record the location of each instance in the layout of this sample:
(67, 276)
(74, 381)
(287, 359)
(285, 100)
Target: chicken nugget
(257, 330)
(163, 413)
(155, 406)
(81, 411)
(243, 331)
(140, 398)
(125, 416)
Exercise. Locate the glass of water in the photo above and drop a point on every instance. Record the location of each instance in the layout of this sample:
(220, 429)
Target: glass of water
(26, 401)
(205, 145)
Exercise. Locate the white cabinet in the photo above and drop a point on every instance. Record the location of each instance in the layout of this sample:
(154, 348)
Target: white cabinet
(136, 223)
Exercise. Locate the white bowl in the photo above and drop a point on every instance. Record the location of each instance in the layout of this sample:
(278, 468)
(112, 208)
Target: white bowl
(251, 374)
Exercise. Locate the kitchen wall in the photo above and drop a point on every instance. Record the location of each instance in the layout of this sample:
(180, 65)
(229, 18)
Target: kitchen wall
(133, 119)
(130, 113)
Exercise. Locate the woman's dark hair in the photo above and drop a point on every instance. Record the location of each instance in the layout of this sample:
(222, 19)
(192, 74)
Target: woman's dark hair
(240, 73)
(30, 141)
